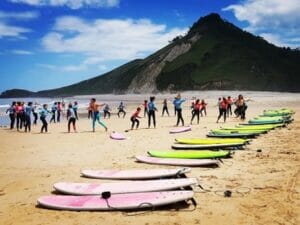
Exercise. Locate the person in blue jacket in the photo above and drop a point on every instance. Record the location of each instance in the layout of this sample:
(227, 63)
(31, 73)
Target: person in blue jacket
(151, 112)
(43, 114)
(28, 111)
(177, 104)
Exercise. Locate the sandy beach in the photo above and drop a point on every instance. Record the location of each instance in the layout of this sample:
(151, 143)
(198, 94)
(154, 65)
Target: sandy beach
(265, 184)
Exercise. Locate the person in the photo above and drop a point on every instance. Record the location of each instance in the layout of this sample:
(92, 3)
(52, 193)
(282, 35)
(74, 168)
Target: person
(71, 117)
(222, 109)
(241, 107)
(28, 110)
(75, 109)
(196, 111)
(121, 109)
(43, 114)
(12, 114)
(229, 103)
(151, 111)
(22, 115)
(19, 112)
(96, 114)
(145, 107)
(90, 112)
(134, 118)
(174, 107)
(177, 104)
(59, 110)
(106, 111)
(203, 107)
(53, 111)
(35, 114)
(165, 108)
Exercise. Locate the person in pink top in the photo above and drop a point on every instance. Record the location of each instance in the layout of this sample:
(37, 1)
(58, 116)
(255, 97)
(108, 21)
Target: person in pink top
(196, 111)
(59, 110)
(222, 109)
(134, 119)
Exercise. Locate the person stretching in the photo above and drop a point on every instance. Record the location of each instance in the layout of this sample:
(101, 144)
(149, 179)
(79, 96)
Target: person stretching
(121, 109)
(71, 117)
(165, 108)
(96, 114)
(134, 119)
(177, 104)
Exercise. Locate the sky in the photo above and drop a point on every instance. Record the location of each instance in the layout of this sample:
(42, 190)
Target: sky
(47, 44)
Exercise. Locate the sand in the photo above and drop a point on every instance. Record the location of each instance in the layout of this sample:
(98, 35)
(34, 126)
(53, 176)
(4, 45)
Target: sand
(265, 185)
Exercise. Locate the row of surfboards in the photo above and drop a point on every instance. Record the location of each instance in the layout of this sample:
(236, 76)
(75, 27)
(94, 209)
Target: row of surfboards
(150, 188)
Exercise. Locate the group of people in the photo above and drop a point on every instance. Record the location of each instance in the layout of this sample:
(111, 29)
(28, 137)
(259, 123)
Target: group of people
(225, 107)
(21, 113)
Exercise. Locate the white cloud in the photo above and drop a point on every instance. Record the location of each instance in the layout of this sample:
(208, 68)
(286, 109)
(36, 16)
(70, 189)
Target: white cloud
(8, 30)
(106, 40)
(277, 20)
(21, 52)
(19, 15)
(12, 31)
(73, 4)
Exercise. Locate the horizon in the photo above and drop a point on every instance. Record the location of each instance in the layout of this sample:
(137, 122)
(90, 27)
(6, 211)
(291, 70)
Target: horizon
(49, 45)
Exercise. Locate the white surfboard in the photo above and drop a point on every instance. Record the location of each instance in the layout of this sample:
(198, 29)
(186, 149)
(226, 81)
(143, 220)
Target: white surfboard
(134, 174)
(123, 187)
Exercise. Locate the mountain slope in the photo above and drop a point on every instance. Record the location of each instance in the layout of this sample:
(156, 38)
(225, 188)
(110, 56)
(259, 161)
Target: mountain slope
(214, 54)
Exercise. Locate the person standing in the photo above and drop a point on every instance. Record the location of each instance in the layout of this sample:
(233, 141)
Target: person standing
(43, 114)
(177, 104)
(71, 117)
(203, 107)
(229, 103)
(90, 111)
(196, 111)
(28, 110)
(222, 109)
(59, 110)
(151, 112)
(12, 114)
(145, 107)
(19, 112)
(75, 109)
(165, 108)
(53, 111)
(35, 114)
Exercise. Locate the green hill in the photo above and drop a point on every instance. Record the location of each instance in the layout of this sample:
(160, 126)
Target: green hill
(214, 54)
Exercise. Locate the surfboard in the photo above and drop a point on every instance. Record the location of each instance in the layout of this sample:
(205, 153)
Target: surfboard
(181, 130)
(117, 136)
(190, 154)
(207, 146)
(135, 174)
(222, 131)
(203, 141)
(123, 187)
(231, 135)
(177, 162)
(115, 201)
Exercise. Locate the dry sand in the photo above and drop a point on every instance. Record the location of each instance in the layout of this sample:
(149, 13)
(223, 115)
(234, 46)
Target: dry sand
(31, 163)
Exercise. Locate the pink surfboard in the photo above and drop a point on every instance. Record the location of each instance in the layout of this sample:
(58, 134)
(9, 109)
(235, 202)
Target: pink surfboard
(181, 130)
(177, 162)
(117, 136)
(123, 187)
(115, 202)
(134, 174)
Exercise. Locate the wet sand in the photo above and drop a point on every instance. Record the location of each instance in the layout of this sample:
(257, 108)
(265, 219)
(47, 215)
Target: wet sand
(265, 184)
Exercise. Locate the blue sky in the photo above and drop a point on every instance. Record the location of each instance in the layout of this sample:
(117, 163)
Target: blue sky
(52, 43)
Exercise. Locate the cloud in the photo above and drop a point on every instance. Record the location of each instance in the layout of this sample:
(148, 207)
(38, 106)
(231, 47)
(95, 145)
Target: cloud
(73, 4)
(19, 15)
(110, 39)
(12, 31)
(21, 52)
(8, 30)
(277, 20)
